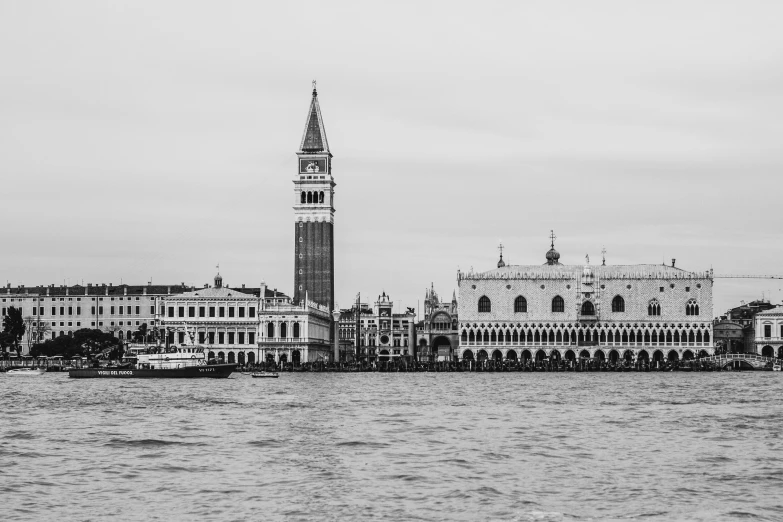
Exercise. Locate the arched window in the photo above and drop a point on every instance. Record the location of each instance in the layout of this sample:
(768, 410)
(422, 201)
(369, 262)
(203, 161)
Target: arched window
(654, 308)
(486, 336)
(618, 304)
(588, 308)
(321, 197)
(520, 305)
(471, 337)
(309, 197)
(557, 304)
(692, 308)
(296, 330)
(493, 337)
(270, 330)
(283, 330)
(304, 197)
(484, 305)
(515, 337)
(464, 336)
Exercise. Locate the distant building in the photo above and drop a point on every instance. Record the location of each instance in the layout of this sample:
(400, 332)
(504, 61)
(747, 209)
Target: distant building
(222, 320)
(383, 335)
(52, 311)
(438, 331)
(735, 332)
(769, 332)
(556, 311)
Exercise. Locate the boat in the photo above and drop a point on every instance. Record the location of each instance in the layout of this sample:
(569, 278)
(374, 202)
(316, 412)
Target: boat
(267, 375)
(776, 367)
(26, 371)
(187, 362)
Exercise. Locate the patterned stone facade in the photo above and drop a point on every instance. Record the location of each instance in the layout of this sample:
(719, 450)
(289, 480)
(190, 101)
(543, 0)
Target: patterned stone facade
(569, 311)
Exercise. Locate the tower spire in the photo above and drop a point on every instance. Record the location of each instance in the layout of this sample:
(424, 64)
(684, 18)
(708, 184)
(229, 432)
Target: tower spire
(501, 263)
(314, 136)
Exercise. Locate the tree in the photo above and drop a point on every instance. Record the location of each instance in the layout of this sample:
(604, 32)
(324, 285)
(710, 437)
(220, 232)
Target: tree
(140, 335)
(14, 328)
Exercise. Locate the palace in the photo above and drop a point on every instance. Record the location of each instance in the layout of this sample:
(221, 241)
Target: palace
(556, 311)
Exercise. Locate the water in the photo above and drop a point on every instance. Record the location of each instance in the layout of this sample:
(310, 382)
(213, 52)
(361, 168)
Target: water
(511, 446)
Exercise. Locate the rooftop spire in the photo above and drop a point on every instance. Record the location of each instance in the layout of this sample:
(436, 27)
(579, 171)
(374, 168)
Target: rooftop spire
(314, 137)
(501, 263)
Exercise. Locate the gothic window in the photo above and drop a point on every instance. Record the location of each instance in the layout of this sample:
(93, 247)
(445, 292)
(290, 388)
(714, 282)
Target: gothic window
(691, 337)
(520, 305)
(515, 337)
(602, 338)
(270, 330)
(558, 305)
(464, 336)
(625, 337)
(676, 337)
(537, 337)
(508, 336)
(471, 337)
(484, 305)
(321, 197)
(544, 338)
(647, 336)
(618, 304)
(706, 337)
(669, 336)
(492, 337)
(654, 308)
(486, 336)
(559, 337)
(304, 197)
(692, 308)
(588, 308)
(610, 336)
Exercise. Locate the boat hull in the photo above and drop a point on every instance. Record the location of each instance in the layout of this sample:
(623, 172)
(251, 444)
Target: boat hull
(213, 371)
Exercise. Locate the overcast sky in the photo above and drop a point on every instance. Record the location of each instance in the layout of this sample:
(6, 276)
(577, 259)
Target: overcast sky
(153, 140)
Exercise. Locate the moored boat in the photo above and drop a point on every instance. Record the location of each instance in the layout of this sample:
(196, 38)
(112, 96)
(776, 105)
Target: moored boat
(267, 375)
(171, 363)
(26, 371)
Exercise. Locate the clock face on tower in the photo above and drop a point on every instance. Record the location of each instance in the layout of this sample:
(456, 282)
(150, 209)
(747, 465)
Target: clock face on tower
(312, 166)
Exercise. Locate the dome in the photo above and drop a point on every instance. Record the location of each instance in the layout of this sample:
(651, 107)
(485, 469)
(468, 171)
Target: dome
(553, 256)
(218, 281)
(501, 263)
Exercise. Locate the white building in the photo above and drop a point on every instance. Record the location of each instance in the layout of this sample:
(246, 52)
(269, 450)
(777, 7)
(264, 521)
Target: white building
(769, 332)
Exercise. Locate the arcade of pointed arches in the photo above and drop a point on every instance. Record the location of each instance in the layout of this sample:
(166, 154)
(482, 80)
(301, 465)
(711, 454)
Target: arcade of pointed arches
(572, 354)
(636, 337)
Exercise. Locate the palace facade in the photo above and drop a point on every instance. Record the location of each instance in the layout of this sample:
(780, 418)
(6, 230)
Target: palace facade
(557, 311)
(769, 333)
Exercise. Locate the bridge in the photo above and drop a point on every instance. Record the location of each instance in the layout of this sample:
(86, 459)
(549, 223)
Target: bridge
(736, 360)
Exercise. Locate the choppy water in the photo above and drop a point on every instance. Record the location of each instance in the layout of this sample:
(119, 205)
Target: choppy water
(513, 446)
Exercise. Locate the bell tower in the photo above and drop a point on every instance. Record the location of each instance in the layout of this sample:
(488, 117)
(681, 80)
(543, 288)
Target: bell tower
(314, 213)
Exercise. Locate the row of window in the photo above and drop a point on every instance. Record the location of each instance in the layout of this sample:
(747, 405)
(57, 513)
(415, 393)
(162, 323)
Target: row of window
(210, 311)
(283, 330)
(572, 337)
(768, 330)
(63, 310)
(312, 197)
(221, 337)
(588, 309)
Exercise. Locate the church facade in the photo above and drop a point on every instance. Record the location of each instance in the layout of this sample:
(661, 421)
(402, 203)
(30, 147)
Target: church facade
(556, 311)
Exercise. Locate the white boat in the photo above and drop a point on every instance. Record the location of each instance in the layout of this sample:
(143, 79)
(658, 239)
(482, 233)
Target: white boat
(776, 367)
(267, 375)
(26, 371)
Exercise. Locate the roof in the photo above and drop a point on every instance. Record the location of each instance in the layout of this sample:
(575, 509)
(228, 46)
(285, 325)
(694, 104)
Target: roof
(601, 271)
(314, 137)
(220, 293)
(772, 312)
(120, 290)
